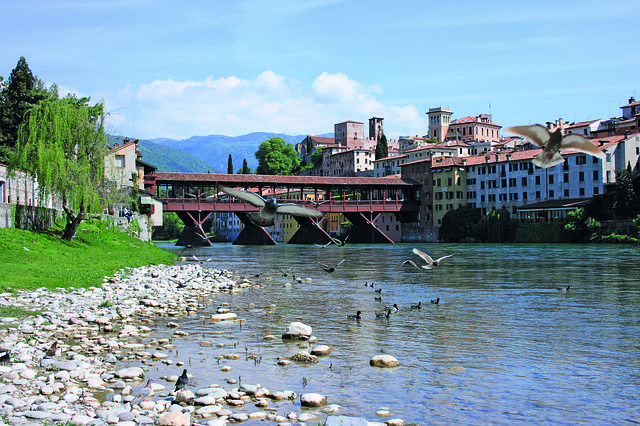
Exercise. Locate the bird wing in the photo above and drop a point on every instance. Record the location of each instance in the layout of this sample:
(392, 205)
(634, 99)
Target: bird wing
(444, 257)
(324, 266)
(298, 210)
(582, 144)
(424, 256)
(536, 133)
(251, 198)
(339, 263)
(409, 262)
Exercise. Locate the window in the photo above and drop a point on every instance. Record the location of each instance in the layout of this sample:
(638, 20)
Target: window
(566, 178)
(550, 178)
(524, 181)
(566, 193)
(581, 176)
(537, 180)
(551, 193)
(538, 194)
(119, 160)
(596, 190)
(582, 192)
(595, 175)
(524, 195)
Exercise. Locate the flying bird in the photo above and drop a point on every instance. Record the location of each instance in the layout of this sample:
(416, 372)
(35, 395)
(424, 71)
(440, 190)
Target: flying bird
(325, 245)
(182, 381)
(269, 208)
(430, 262)
(51, 352)
(200, 260)
(552, 142)
(284, 273)
(343, 242)
(328, 268)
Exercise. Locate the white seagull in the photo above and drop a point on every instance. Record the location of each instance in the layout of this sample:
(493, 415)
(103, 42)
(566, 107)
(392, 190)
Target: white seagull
(270, 207)
(552, 142)
(430, 262)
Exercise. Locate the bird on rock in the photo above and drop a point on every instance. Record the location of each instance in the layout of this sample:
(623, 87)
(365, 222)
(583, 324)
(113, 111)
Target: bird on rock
(143, 393)
(430, 262)
(270, 208)
(6, 356)
(328, 268)
(182, 381)
(551, 143)
(51, 352)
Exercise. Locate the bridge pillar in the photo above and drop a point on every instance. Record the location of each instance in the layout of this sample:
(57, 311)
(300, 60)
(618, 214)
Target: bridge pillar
(364, 231)
(193, 234)
(309, 232)
(252, 235)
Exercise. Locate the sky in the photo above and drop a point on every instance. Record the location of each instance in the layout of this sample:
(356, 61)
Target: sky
(177, 69)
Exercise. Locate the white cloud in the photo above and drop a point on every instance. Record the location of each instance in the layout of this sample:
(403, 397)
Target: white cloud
(269, 102)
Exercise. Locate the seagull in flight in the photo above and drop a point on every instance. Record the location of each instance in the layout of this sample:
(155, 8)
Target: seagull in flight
(270, 207)
(200, 260)
(552, 142)
(328, 268)
(430, 262)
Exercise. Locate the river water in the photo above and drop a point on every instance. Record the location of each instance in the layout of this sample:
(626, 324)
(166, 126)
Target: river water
(504, 345)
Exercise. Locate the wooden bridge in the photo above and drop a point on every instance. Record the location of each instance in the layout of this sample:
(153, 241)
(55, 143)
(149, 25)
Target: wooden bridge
(195, 196)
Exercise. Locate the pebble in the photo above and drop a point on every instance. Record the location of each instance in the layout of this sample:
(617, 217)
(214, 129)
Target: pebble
(110, 322)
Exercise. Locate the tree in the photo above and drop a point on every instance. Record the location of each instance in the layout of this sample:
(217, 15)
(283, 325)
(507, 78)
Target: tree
(316, 157)
(62, 143)
(623, 194)
(382, 148)
(230, 166)
(245, 169)
(20, 92)
(458, 225)
(276, 157)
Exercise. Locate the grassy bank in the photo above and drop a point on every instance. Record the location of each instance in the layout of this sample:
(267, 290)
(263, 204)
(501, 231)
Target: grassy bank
(30, 260)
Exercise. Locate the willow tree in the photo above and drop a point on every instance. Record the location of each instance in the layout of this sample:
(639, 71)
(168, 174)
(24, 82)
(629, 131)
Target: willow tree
(62, 143)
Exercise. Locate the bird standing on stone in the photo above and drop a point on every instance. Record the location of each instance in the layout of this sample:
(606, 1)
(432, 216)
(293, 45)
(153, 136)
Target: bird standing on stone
(51, 352)
(552, 142)
(5, 357)
(143, 393)
(269, 208)
(182, 381)
(330, 269)
(430, 262)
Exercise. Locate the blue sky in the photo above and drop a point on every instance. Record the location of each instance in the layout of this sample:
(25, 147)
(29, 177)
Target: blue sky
(183, 68)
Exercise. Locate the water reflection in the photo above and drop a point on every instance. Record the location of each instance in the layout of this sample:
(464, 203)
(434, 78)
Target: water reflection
(504, 345)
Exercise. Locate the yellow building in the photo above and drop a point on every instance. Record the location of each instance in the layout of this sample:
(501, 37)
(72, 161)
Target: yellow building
(449, 186)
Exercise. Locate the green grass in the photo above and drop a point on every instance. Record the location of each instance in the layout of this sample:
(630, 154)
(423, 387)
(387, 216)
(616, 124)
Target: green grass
(98, 250)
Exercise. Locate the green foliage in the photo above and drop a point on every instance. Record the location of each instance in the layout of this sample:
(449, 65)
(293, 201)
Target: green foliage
(21, 91)
(459, 225)
(230, 165)
(625, 204)
(98, 250)
(498, 225)
(245, 169)
(382, 147)
(276, 157)
(171, 227)
(540, 232)
(62, 143)
(316, 157)
(614, 239)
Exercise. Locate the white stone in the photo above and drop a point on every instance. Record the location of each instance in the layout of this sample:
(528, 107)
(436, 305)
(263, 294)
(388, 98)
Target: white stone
(312, 400)
(297, 330)
(384, 361)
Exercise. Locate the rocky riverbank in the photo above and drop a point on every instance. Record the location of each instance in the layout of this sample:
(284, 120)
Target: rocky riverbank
(98, 326)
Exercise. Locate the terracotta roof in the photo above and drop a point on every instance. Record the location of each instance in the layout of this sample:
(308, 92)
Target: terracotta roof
(469, 119)
(580, 124)
(266, 180)
(323, 140)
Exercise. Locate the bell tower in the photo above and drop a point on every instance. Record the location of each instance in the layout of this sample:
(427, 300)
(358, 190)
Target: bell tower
(376, 128)
(439, 120)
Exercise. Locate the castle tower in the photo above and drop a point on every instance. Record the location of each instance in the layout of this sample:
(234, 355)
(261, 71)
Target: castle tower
(376, 128)
(439, 120)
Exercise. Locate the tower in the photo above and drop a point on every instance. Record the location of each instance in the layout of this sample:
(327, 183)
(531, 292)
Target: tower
(376, 128)
(439, 120)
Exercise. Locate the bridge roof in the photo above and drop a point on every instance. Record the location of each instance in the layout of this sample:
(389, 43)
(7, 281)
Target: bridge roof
(271, 180)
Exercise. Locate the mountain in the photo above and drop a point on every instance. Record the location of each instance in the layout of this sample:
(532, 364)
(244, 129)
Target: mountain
(167, 159)
(215, 149)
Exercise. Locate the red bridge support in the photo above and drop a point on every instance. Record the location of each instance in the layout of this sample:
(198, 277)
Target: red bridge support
(193, 234)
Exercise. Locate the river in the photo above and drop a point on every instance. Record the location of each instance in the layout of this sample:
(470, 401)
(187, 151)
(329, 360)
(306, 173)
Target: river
(504, 345)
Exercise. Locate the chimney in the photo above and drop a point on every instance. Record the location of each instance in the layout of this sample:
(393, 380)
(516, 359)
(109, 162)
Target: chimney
(631, 100)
